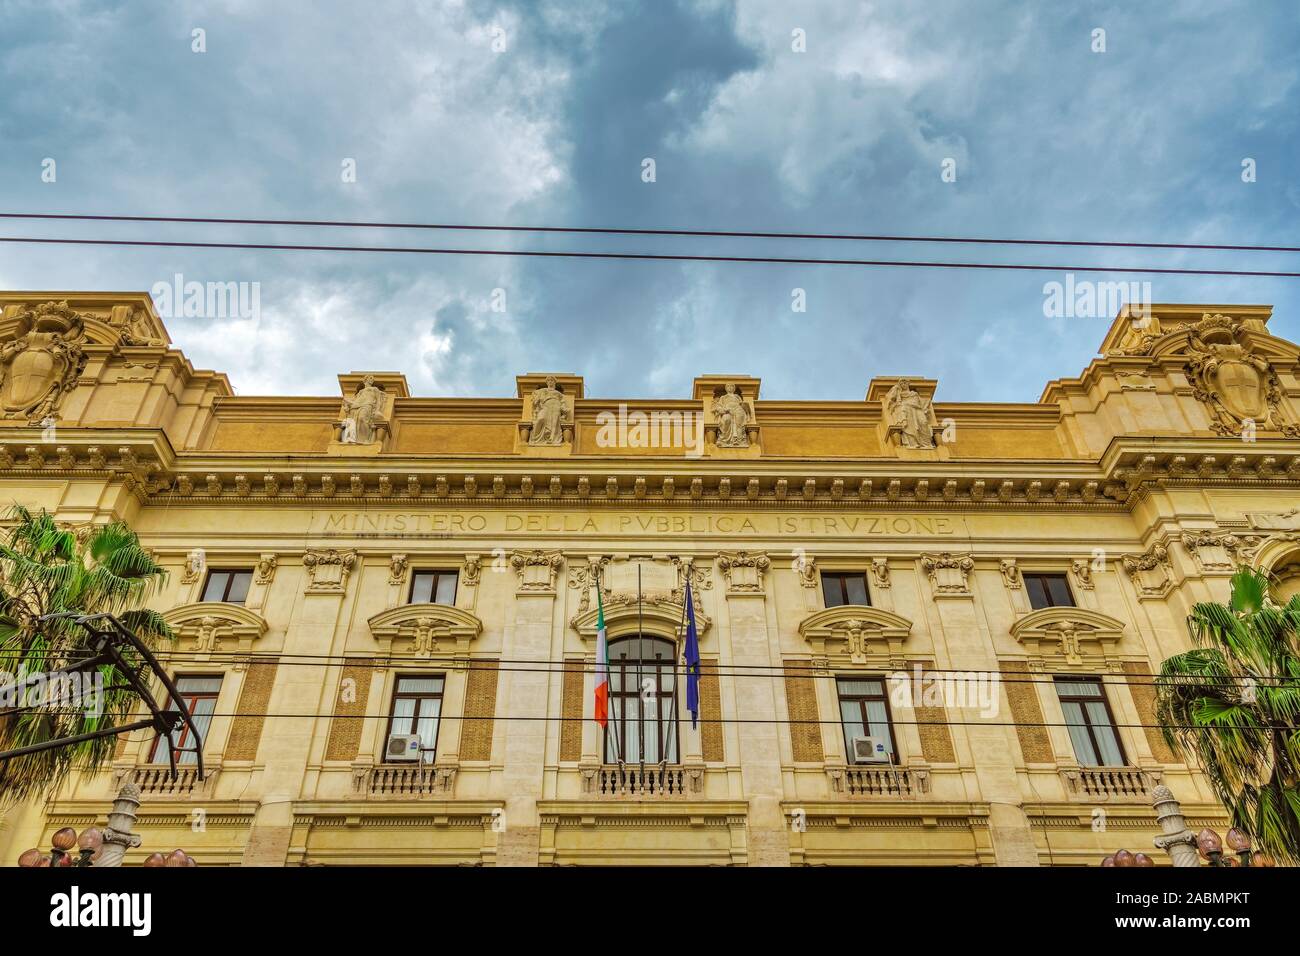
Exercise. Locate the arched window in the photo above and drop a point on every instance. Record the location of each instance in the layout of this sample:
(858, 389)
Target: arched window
(642, 669)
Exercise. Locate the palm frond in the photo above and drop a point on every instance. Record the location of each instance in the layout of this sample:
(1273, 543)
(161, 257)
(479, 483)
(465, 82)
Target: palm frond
(1232, 705)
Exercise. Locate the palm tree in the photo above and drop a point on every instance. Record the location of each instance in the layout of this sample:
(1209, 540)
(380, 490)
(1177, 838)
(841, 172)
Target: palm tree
(1232, 704)
(46, 568)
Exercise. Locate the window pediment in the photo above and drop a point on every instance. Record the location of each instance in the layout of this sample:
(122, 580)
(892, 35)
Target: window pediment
(658, 614)
(1074, 636)
(208, 626)
(425, 630)
(856, 633)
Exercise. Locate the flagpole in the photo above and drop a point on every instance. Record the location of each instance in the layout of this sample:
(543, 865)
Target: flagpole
(613, 709)
(672, 706)
(640, 655)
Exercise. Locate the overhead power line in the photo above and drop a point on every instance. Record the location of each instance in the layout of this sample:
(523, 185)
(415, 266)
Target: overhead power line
(767, 721)
(620, 231)
(648, 256)
(560, 667)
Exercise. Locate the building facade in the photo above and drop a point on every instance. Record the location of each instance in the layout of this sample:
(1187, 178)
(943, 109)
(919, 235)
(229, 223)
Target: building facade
(927, 630)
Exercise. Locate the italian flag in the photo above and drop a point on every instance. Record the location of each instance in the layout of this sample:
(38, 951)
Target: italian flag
(602, 664)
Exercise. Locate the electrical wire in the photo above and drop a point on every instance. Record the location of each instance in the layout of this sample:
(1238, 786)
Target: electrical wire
(799, 669)
(646, 256)
(621, 231)
(766, 721)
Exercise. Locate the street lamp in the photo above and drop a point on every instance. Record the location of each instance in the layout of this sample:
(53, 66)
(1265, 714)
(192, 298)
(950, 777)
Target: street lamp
(1125, 858)
(174, 858)
(61, 844)
(90, 844)
(1211, 848)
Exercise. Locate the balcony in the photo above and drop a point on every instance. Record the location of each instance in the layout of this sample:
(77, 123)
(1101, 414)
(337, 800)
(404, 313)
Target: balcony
(641, 783)
(883, 782)
(1108, 783)
(155, 780)
(403, 780)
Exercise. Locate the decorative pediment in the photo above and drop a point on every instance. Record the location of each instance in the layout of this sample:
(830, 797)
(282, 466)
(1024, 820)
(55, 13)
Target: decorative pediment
(425, 630)
(857, 634)
(659, 613)
(1073, 636)
(209, 626)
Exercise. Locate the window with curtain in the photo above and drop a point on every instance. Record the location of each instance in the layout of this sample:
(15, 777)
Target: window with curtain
(433, 587)
(228, 585)
(199, 694)
(417, 707)
(1047, 590)
(864, 712)
(642, 710)
(845, 587)
(1089, 721)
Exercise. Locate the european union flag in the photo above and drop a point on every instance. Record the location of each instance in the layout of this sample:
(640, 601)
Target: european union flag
(692, 659)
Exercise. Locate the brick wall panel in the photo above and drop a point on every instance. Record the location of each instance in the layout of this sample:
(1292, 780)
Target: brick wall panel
(480, 708)
(710, 712)
(345, 729)
(932, 725)
(801, 700)
(1035, 744)
(254, 701)
(572, 706)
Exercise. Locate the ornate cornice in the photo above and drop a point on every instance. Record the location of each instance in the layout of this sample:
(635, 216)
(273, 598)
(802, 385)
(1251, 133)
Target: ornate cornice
(144, 460)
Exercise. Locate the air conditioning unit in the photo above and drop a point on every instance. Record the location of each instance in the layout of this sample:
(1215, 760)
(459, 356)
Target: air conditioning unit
(869, 750)
(403, 748)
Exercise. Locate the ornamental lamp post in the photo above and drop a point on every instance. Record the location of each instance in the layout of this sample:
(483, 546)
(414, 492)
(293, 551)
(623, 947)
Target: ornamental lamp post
(1125, 858)
(1211, 848)
(90, 844)
(102, 848)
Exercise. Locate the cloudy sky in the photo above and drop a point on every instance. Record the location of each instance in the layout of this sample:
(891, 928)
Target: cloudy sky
(1142, 142)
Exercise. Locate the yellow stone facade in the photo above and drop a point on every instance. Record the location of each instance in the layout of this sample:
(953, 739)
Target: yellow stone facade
(1173, 456)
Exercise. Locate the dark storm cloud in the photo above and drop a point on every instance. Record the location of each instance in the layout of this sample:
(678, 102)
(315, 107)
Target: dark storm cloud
(1050, 139)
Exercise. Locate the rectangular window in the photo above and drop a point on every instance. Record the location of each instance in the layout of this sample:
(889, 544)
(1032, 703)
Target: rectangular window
(864, 712)
(845, 587)
(433, 587)
(642, 701)
(199, 694)
(417, 706)
(1048, 590)
(1088, 718)
(230, 586)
